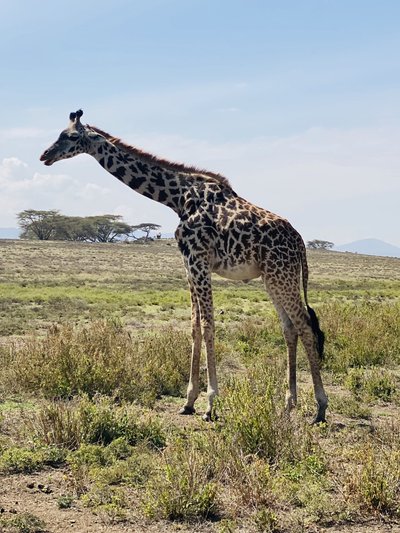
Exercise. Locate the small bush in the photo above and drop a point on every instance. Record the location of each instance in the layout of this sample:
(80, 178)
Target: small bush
(266, 521)
(373, 384)
(24, 523)
(103, 422)
(133, 471)
(97, 421)
(375, 484)
(118, 463)
(253, 415)
(16, 459)
(119, 449)
(361, 334)
(110, 501)
(65, 501)
(182, 489)
(88, 455)
(348, 405)
(100, 358)
(56, 423)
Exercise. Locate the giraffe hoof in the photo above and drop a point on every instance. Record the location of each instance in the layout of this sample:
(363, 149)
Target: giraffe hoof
(318, 420)
(208, 417)
(320, 416)
(186, 410)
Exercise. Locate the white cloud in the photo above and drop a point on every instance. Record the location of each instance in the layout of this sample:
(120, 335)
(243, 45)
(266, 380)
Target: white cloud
(12, 166)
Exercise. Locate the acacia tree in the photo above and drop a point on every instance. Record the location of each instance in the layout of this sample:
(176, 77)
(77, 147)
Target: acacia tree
(40, 225)
(317, 244)
(107, 228)
(73, 229)
(146, 227)
(50, 225)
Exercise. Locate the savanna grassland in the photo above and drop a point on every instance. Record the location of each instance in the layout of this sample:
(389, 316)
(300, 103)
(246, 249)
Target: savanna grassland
(94, 349)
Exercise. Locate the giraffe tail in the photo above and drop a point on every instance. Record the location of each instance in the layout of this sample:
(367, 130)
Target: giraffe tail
(319, 334)
(314, 322)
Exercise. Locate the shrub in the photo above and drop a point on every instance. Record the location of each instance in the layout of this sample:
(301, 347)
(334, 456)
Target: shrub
(348, 405)
(361, 334)
(100, 358)
(375, 484)
(104, 422)
(134, 470)
(23, 523)
(65, 501)
(110, 501)
(253, 415)
(374, 383)
(56, 423)
(97, 421)
(182, 489)
(17, 459)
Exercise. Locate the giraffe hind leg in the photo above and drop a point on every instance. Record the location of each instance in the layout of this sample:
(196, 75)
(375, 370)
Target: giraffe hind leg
(291, 339)
(307, 328)
(309, 339)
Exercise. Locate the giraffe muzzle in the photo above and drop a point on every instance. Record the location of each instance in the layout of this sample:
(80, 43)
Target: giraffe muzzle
(45, 157)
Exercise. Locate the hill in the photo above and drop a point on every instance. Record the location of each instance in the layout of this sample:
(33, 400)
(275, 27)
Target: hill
(370, 247)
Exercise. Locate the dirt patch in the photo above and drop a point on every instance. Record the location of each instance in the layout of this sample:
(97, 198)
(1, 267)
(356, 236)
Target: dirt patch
(38, 494)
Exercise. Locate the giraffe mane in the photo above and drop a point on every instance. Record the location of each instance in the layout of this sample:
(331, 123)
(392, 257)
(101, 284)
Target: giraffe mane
(163, 162)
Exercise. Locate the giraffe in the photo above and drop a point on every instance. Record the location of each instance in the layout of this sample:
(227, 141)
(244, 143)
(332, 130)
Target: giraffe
(218, 232)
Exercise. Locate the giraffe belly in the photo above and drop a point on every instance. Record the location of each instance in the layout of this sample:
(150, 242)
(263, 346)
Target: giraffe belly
(244, 272)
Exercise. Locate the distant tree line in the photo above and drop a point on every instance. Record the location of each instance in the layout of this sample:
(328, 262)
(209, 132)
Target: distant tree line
(317, 244)
(52, 225)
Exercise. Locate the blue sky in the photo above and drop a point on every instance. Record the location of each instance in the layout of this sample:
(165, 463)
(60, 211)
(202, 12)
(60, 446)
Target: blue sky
(297, 103)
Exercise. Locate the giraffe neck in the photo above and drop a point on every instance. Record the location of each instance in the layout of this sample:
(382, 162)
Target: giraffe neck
(149, 178)
(182, 188)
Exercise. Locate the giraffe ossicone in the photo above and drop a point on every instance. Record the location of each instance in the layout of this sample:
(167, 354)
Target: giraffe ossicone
(218, 232)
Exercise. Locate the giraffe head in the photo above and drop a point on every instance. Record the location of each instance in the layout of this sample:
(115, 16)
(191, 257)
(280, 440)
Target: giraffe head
(75, 139)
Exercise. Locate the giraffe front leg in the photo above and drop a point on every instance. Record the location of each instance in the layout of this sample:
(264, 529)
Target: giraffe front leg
(193, 387)
(202, 325)
(208, 330)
